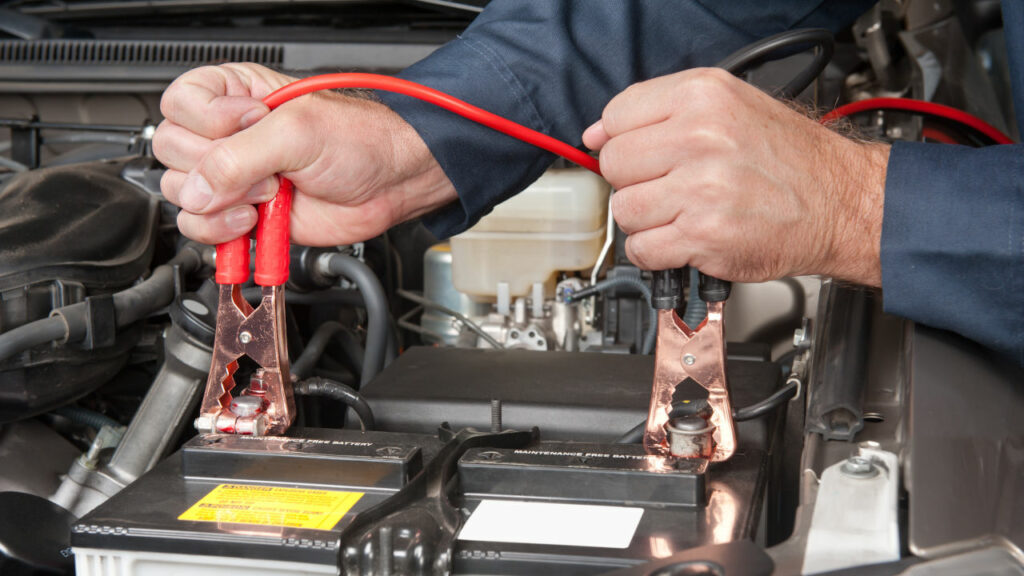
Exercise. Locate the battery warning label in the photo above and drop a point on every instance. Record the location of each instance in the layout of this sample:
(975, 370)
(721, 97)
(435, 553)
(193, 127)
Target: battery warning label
(272, 506)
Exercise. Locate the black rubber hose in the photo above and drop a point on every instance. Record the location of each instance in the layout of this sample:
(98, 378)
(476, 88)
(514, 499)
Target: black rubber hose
(86, 417)
(634, 435)
(303, 365)
(157, 291)
(764, 407)
(30, 335)
(329, 296)
(775, 47)
(336, 390)
(622, 282)
(376, 309)
(69, 323)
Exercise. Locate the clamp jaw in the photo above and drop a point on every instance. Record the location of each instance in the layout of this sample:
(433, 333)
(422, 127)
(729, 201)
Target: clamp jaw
(698, 354)
(267, 405)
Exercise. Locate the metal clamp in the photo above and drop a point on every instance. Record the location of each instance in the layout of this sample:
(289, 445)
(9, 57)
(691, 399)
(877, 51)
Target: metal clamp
(698, 355)
(258, 333)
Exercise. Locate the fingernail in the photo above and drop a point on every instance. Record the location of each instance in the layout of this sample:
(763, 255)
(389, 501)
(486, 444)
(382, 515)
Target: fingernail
(195, 193)
(262, 192)
(240, 219)
(252, 116)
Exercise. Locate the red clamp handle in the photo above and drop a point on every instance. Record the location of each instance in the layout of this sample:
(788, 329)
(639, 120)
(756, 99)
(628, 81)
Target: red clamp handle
(272, 234)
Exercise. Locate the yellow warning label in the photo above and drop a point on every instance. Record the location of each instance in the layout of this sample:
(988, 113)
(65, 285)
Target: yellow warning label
(272, 506)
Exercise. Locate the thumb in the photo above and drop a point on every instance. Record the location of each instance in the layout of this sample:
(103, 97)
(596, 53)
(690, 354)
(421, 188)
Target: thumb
(595, 137)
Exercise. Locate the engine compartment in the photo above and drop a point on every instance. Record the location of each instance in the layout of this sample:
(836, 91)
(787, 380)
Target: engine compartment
(493, 421)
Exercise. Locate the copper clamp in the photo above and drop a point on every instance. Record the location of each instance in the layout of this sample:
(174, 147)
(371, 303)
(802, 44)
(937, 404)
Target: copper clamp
(267, 405)
(698, 354)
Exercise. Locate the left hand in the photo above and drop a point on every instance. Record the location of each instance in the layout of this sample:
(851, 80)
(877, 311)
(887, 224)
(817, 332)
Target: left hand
(713, 173)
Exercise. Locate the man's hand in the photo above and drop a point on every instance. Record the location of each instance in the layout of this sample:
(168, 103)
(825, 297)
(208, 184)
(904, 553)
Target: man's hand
(358, 168)
(714, 173)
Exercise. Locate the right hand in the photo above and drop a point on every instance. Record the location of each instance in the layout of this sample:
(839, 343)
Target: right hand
(358, 168)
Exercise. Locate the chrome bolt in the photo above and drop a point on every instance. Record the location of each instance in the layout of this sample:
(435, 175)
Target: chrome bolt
(859, 467)
(245, 337)
(802, 335)
(689, 359)
(204, 424)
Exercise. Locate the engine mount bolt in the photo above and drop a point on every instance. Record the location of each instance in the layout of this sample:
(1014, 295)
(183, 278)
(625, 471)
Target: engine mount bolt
(245, 337)
(689, 359)
(859, 467)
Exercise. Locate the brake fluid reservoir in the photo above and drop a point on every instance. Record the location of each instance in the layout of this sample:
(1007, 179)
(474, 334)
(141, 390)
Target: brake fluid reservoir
(556, 224)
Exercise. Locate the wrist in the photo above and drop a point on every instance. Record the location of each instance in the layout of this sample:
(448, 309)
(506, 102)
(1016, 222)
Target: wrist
(856, 194)
(421, 185)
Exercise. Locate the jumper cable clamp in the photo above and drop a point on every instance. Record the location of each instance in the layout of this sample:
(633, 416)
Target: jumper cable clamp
(266, 405)
(697, 354)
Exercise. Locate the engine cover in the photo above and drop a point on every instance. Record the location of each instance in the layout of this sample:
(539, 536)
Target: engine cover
(67, 233)
(80, 223)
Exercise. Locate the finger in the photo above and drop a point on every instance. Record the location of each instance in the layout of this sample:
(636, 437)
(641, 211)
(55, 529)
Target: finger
(178, 148)
(658, 248)
(595, 137)
(172, 182)
(646, 205)
(170, 185)
(654, 100)
(233, 170)
(196, 195)
(212, 101)
(219, 226)
(641, 155)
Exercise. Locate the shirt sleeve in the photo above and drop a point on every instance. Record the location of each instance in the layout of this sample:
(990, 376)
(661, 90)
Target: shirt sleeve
(953, 241)
(552, 65)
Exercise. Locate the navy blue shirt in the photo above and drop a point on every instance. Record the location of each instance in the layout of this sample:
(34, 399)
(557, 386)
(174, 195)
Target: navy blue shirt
(953, 226)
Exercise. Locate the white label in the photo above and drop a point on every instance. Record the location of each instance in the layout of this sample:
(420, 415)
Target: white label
(559, 524)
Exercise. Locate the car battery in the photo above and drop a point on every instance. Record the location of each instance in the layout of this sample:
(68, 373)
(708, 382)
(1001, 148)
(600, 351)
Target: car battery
(228, 505)
(318, 501)
(572, 508)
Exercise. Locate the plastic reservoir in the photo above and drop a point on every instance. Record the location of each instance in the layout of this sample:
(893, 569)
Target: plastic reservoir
(557, 224)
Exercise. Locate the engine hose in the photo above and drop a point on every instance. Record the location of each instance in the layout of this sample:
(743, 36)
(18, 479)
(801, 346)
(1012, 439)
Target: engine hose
(624, 282)
(86, 417)
(30, 335)
(157, 291)
(70, 323)
(329, 296)
(775, 47)
(303, 365)
(337, 391)
(336, 264)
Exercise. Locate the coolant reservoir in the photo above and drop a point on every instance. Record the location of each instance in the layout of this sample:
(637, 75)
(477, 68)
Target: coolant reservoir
(557, 224)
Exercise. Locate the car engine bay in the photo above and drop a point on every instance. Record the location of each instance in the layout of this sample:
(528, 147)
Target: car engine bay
(477, 405)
